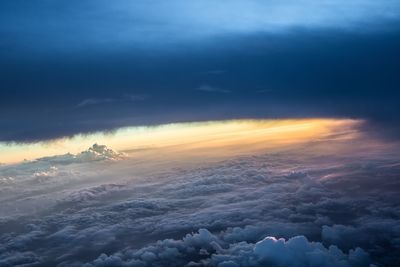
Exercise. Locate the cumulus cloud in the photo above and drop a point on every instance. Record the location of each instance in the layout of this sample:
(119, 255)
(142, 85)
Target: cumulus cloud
(91, 193)
(51, 169)
(245, 211)
(206, 249)
(94, 153)
(10, 259)
(32, 186)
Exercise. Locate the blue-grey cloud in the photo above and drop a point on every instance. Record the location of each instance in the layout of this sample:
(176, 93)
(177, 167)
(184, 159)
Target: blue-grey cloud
(94, 101)
(76, 25)
(210, 250)
(77, 215)
(211, 89)
(331, 58)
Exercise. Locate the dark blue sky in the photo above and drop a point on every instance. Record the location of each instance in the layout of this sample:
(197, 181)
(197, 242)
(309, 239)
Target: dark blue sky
(72, 67)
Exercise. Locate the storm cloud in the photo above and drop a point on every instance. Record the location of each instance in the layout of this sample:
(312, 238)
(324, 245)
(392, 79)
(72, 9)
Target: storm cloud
(278, 59)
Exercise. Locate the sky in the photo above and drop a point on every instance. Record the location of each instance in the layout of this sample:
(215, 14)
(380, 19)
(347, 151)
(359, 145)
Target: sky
(75, 67)
(213, 133)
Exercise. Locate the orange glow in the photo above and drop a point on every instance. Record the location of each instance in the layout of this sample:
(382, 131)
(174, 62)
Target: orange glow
(216, 138)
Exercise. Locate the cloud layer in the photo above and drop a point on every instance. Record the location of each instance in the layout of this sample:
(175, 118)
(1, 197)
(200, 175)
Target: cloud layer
(333, 58)
(325, 209)
(206, 249)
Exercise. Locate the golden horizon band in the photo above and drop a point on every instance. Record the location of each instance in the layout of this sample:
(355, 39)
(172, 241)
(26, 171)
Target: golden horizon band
(234, 134)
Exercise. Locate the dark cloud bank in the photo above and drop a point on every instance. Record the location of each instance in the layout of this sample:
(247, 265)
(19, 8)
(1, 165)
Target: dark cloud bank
(283, 209)
(77, 64)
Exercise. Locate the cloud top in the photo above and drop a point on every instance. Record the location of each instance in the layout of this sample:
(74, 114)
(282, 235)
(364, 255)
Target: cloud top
(94, 153)
(206, 249)
(307, 206)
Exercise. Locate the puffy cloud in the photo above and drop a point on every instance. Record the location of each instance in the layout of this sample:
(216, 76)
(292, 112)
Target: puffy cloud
(47, 169)
(252, 209)
(10, 259)
(206, 249)
(33, 186)
(51, 169)
(94, 153)
(92, 192)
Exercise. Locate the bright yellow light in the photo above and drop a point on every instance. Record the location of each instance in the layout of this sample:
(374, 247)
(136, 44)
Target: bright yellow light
(215, 137)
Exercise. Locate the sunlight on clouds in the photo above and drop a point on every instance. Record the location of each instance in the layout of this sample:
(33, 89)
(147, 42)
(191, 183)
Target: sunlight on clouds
(234, 136)
(227, 193)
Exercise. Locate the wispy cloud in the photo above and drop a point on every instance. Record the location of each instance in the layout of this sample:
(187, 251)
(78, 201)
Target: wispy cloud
(212, 89)
(98, 101)
(137, 97)
(94, 101)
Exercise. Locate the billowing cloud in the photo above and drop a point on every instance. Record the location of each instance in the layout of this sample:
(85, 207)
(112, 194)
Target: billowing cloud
(206, 249)
(326, 209)
(94, 153)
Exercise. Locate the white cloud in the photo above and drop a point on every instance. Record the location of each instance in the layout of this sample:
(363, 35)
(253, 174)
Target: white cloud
(137, 217)
(94, 153)
(206, 249)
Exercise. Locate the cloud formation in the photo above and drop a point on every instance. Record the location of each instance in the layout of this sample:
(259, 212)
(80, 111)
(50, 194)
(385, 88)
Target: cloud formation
(94, 101)
(316, 59)
(212, 89)
(206, 249)
(330, 209)
(94, 153)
